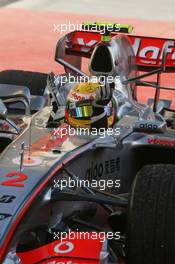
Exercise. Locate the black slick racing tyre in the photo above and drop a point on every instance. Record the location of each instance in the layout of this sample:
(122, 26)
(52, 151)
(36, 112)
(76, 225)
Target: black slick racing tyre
(150, 235)
(35, 81)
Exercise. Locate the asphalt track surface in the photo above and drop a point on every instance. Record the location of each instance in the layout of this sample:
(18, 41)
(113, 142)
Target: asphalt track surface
(139, 9)
(27, 27)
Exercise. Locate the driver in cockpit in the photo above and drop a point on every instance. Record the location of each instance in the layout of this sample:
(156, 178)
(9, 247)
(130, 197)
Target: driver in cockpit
(87, 104)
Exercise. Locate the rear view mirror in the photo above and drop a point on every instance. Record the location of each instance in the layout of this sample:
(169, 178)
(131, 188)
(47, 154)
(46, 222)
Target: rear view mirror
(3, 110)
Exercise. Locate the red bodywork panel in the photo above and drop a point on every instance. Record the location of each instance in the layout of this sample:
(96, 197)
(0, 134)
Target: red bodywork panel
(69, 251)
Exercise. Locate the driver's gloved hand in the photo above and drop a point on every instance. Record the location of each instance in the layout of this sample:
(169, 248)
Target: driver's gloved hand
(104, 94)
(52, 88)
(51, 84)
(103, 97)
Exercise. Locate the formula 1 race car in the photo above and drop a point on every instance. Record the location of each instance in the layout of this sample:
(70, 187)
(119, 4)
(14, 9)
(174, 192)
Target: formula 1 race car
(101, 198)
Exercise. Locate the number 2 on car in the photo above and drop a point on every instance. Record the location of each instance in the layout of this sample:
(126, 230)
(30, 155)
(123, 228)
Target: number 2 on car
(16, 179)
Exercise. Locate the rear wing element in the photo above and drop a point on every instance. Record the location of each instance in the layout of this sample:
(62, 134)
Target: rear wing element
(148, 50)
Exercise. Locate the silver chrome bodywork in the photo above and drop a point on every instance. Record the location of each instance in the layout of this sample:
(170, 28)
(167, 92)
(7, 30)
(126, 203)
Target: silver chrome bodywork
(43, 155)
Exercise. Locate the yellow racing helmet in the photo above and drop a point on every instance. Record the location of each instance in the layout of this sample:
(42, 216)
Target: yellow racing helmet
(81, 108)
